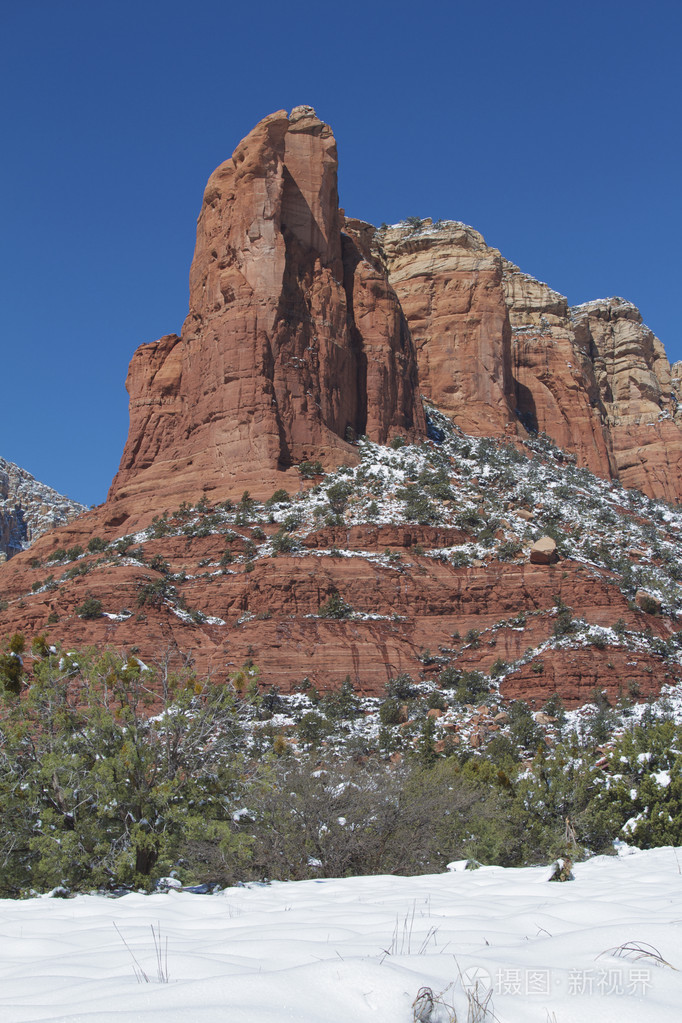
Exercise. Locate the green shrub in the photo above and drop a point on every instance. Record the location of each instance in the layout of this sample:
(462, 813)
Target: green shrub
(509, 550)
(309, 470)
(648, 604)
(555, 708)
(418, 507)
(450, 676)
(282, 543)
(313, 728)
(245, 509)
(90, 608)
(338, 495)
(280, 496)
(389, 711)
(154, 592)
(82, 569)
(402, 687)
(436, 701)
(158, 564)
(473, 638)
(564, 624)
(96, 544)
(425, 749)
(102, 783)
(472, 686)
(292, 522)
(160, 526)
(523, 729)
(342, 703)
(335, 607)
(11, 664)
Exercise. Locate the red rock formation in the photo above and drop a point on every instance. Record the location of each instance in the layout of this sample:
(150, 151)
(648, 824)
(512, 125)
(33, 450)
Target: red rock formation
(498, 349)
(270, 614)
(556, 389)
(293, 341)
(637, 396)
(449, 283)
(597, 381)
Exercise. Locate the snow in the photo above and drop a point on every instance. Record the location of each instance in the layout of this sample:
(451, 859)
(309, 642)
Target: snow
(602, 947)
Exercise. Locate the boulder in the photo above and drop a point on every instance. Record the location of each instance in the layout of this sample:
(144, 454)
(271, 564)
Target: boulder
(647, 602)
(544, 552)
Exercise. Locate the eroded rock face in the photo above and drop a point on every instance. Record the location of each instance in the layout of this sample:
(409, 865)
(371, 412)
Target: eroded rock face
(501, 352)
(28, 509)
(449, 283)
(636, 394)
(555, 387)
(294, 340)
(271, 614)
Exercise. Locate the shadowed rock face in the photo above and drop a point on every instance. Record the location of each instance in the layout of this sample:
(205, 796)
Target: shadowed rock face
(293, 342)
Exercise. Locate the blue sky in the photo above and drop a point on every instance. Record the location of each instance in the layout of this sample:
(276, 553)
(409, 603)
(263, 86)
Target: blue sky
(554, 129)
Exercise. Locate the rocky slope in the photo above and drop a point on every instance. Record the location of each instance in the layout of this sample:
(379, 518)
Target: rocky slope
(417, 559)
(500, 351)
(283, 497)
(28, 509)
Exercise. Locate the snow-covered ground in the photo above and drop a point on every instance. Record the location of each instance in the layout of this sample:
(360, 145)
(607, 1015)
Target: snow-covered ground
(360, 949)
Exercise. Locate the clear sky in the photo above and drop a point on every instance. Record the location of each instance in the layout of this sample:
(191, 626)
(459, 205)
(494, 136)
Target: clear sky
(554, 129)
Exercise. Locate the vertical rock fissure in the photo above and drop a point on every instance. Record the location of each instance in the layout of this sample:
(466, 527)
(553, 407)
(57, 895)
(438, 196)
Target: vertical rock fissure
(351, 257)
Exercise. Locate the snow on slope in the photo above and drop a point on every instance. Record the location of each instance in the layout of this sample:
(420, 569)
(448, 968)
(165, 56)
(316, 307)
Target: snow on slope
(358, 949)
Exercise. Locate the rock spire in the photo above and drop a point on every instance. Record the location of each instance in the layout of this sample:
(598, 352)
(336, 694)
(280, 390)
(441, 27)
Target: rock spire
(294, 342)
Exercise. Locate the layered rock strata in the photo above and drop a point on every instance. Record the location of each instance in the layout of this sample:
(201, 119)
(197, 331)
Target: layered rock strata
(636, 393)
(294, 341)
(450, 285)
(501, 352)
(270, 613)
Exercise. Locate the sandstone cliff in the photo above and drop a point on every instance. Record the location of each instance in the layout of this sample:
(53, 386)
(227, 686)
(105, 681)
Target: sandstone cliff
(636, 396)
(449, 283)
(28, 509)
(295, 346)
(294, 342)
(499, 351)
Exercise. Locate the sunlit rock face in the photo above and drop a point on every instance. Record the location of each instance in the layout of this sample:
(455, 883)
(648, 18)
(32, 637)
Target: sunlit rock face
(294, 341)
(501, 353)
